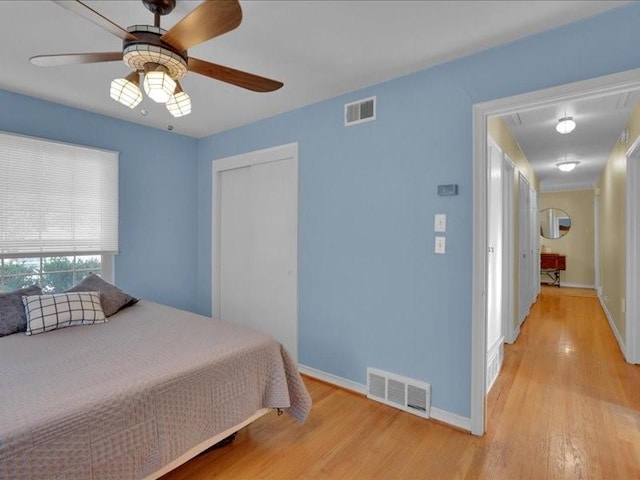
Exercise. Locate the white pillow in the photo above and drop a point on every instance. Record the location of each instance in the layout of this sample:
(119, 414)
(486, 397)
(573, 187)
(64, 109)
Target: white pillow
(49, 312)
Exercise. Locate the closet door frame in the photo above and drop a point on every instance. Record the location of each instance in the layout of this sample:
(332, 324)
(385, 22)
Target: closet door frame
(274, 154)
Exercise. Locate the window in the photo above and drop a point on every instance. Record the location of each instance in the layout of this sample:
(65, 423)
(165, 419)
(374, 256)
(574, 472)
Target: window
(58, 214)
(53, 274)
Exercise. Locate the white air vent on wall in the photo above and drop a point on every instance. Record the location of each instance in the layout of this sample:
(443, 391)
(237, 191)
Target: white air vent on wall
(409, 395)
(360, 111)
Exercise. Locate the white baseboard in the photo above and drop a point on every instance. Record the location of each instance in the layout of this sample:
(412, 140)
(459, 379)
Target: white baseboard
(333, 379)
(514, 335)
(452, 419)
(578, 285)
(494, 362)
(613, 327)
(443, 416)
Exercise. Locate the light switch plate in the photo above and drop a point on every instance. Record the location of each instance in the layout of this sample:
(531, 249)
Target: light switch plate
(440, 223)
(440, 245)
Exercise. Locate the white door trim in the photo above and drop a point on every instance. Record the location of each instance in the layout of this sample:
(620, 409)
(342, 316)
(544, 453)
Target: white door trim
(509, 331)
(632, 221)
(591, 88)
(496, 285)
(242, 160)
(524, 249)
(596, 242)
(534, 235)
(509, 328)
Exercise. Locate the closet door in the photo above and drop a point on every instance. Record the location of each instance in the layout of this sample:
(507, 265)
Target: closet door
(255, 243)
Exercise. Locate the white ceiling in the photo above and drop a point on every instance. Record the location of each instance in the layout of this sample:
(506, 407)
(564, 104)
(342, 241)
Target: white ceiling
(319, 49)
(599, 124)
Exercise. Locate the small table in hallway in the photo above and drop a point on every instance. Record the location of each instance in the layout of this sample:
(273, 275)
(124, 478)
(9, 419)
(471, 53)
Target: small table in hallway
(551, 264)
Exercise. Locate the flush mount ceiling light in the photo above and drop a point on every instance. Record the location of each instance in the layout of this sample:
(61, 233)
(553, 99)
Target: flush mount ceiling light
(161, 55)
(567, 166)
(565, 125)
(127, 90)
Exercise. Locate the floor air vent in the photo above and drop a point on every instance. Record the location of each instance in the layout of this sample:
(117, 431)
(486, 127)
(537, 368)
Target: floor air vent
(409, 395)
(360, 111)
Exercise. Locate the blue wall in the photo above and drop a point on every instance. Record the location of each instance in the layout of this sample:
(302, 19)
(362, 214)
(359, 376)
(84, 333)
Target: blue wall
(158, 205)
(371, 290)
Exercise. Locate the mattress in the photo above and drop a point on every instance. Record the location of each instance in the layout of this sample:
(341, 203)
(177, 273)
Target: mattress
(121, 400)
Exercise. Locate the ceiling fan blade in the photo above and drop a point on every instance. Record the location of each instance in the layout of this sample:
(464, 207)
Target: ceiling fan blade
(210, 19)
(233, 76)
(85, 11)
(74, 58)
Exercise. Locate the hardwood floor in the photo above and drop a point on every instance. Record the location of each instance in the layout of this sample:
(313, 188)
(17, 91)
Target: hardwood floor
(565, 406)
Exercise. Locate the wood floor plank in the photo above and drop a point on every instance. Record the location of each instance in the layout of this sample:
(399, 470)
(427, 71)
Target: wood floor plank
(565, 406)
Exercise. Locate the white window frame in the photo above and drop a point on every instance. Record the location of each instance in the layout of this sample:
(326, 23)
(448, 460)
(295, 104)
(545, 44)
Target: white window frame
(105, 272)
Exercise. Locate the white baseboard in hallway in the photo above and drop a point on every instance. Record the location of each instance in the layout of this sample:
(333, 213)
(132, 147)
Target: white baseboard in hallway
(578, 285)
(612, 325)
(494, 362)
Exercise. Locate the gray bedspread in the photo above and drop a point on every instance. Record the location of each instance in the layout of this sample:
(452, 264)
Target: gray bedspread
(122, 399)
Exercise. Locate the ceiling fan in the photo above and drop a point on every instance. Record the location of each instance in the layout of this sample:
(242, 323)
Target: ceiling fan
(161, 55)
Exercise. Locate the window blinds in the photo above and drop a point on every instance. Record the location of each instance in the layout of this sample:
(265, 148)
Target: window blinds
(56, 198)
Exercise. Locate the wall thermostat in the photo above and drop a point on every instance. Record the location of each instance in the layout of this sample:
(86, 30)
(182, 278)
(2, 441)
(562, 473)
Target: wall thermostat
(447, 190)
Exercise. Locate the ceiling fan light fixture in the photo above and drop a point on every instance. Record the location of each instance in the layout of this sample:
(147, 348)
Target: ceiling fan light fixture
(127, 90)
(567, 166)
(162, 55)
(137, 54)
(565, 125)
(179, 103)
(158, 85)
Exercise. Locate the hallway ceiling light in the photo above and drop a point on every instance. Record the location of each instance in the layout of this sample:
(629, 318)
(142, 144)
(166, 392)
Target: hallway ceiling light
(567, 166)
(565, 125)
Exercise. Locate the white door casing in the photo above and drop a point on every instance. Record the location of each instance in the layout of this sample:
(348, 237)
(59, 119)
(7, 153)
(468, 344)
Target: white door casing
(632, 305)
(534, 239)
(508, 324)
(494, 294)
(255, 210)
(494, 259)
(596, 242)
(524, 248)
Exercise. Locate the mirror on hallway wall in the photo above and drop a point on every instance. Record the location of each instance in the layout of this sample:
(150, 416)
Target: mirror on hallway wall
(554, 223)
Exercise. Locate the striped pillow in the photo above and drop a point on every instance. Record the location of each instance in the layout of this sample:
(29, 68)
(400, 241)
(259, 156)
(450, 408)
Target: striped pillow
(49, 312)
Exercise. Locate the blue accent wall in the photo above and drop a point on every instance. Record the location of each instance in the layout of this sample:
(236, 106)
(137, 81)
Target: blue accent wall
(371, 290)
(158, 204)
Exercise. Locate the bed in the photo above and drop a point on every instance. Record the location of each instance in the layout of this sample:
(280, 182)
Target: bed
(136, 396)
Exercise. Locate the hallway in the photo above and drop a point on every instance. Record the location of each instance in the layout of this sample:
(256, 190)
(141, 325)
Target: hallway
(566, 406)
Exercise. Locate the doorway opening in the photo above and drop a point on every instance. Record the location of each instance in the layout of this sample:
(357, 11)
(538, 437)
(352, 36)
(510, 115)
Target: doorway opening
(593, 88)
